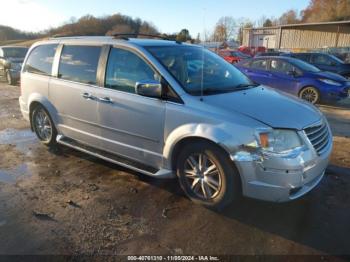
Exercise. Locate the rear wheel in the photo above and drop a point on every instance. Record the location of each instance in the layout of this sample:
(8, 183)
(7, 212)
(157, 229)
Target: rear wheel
(43, 126)
(207, 176)
(310, 94)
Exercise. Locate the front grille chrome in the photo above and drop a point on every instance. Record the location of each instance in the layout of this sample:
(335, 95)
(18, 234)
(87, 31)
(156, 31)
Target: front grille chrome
(318, 136)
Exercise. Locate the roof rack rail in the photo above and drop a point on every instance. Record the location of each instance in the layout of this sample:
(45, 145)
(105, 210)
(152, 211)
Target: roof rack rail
(126, 36)
(135, 35)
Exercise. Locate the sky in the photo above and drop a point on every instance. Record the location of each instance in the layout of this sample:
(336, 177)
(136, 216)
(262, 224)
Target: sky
(169, 16)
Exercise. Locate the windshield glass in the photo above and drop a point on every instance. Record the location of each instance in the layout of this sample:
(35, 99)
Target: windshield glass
(192, 64)
(337, 59)
(15, 52)
(305, 66)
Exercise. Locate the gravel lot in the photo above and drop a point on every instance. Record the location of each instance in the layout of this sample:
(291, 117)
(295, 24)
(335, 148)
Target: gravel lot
(66, 202)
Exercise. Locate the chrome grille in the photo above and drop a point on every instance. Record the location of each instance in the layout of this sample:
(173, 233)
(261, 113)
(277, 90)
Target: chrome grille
(318, 136)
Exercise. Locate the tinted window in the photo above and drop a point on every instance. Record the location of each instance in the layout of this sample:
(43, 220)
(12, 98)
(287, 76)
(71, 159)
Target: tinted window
(15, 52)
(304, 66)
(198, 69)
(79, 63)
(281, 66)
(259, 64)
(40, 59)
(125, 68)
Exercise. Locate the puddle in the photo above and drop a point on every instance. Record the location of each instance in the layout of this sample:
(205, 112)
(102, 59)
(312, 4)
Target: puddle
(22, 139)
(14, 136)
(12, 176)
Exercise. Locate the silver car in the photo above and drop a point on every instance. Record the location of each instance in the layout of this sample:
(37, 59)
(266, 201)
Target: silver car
(168, 109)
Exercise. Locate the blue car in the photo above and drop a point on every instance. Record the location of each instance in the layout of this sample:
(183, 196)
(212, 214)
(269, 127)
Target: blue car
(296, 77)
(324, 62)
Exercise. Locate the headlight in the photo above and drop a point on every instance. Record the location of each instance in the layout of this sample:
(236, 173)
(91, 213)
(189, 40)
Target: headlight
(279, 140)
(330, 82)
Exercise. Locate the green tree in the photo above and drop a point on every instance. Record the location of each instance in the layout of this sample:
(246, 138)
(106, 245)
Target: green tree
(183, 36)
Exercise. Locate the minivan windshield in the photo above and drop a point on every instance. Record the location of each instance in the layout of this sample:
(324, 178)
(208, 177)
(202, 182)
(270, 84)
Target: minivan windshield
(199, 70)
(306, 67)
(15, 52)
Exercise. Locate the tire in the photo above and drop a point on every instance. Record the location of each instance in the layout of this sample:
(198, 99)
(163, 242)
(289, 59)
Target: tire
(224, 185)
(310, 94)
(43, 126)
(9, 78)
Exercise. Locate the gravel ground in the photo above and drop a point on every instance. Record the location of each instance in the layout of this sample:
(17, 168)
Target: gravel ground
(65, 202)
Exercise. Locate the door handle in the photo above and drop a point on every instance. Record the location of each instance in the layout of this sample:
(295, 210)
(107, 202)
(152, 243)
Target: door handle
(88, 96)
(106, 100)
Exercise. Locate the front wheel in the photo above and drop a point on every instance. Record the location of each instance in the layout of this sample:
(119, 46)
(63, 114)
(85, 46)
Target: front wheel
(207, 175)
(43, 126)
(310, 94)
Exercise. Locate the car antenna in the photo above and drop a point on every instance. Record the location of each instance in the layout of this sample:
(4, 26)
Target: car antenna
(202, 76)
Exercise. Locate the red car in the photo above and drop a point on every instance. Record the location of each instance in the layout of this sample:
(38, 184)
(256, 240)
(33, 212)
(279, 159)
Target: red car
(232, 56)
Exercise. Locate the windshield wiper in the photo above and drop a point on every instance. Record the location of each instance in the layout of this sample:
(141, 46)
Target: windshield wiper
(245, 86)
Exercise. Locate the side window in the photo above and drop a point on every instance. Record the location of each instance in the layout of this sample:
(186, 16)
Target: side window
(40, 59)
(281, 66)
(125, 68)
(79, 63)
(259, 64)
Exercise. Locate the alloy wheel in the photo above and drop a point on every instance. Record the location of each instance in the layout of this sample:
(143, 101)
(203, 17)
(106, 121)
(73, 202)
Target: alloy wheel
(43, 125)
(309, 94)
(203, 176)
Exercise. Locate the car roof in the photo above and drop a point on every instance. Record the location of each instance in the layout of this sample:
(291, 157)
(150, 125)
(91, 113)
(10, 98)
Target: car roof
(143, 42)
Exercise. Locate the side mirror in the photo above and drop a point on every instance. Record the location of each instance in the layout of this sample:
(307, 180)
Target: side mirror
(149, 88)
(292, 73)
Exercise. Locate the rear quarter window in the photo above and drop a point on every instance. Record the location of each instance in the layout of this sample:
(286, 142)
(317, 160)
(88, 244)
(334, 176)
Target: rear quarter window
(79, 63)
(40, 59)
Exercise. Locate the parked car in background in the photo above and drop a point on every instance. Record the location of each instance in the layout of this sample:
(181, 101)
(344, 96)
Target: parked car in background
(233, 56)
(296, 77)
(169, 109)
(325, 62)
(11, 59)
(274, 53)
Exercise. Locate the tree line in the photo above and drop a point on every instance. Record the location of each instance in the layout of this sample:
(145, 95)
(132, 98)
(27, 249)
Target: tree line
(227, 28)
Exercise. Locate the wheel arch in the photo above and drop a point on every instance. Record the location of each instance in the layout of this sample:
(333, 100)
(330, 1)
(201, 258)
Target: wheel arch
(39, 100)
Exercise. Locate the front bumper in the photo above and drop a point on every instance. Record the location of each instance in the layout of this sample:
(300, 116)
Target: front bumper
(24, 108)
(282, 179)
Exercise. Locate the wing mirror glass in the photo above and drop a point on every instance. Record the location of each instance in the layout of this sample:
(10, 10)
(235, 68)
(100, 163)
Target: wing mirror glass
(149, 88)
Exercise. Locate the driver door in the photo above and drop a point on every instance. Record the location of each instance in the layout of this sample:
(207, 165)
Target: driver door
(132, 125)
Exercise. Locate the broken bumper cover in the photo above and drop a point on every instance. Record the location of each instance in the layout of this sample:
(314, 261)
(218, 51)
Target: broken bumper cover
(281, 179)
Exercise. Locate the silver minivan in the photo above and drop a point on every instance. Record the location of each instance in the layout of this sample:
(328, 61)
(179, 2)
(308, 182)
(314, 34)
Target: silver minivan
(169, 109)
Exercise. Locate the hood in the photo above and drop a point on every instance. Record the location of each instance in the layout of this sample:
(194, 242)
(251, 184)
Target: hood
(273, 108)
(330, 75)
